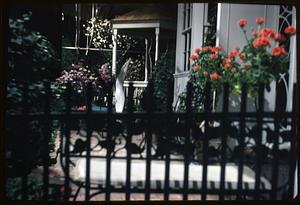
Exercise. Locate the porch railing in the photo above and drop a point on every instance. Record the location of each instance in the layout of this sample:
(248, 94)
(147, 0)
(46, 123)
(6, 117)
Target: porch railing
(183, 153)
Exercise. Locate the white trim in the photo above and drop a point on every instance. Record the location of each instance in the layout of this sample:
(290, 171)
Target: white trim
(135, 25)
(293, 65)
(182, 74)
(114, 51)
(142, 84)
(218, 25)
(156, 42)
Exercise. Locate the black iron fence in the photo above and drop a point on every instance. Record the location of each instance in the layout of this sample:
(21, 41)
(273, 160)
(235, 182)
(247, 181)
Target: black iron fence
(243, 155)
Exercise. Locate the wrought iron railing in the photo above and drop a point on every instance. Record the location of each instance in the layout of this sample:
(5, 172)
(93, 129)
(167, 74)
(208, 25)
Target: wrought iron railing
(164, 153)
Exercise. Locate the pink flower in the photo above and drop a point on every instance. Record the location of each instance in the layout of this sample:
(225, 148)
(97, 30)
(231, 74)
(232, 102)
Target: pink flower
(205, 73)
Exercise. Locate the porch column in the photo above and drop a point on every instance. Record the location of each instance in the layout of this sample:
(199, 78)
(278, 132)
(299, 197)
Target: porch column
(156, 42)
(146, 60)
(114, 51)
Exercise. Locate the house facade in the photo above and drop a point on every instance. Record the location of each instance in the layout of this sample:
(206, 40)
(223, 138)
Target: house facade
(194, 19)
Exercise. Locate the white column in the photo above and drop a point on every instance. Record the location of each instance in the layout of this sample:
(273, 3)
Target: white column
(293, 66)
(156, 42)
(146, 60)
(114, 51)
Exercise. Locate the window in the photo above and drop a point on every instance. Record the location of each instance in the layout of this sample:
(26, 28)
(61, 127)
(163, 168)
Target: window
(210, 25)
(187, 33)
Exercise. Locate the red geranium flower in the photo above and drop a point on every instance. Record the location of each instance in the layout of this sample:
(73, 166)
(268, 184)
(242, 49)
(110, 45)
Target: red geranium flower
(278, 51)
(227, 65)
(242, 56)
(290, 30)
(207, 48)
(196, 67)
(254, 33)
(227, 60)
(194, 57)
(233, 53)
(263, 41)
(279, 37)
(198, 50)
(260, 20)
(266, 32)
(242, 23)
(215, 76)
(213, 56)
(216, 49)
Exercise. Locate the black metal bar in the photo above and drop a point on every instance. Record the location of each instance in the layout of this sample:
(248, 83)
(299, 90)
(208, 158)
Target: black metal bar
(67, 145)
(128, 140)
(258, 142)
(109, 139)
(250, 116)
(169, 127)
(224, 141)
(274, 183)
(207, 108)
(242, 141)
(25, 140)
(88, 142)
(187, 143)
(148, 140)
(47, 135)
(293, 150)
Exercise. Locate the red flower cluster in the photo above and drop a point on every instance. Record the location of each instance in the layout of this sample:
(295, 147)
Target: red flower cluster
(262, 41)
(242, 57)
(233, 70)
(198, 50)
(233, 53)
(227, 60)
(278, 51)
(215, 76)
(194, 57)
(254, 33)
(290, 30)
(279, 37)
(196, 67)
(213, 56)
(216, 49)
(266, 32)
(260, 20)
(242, 23)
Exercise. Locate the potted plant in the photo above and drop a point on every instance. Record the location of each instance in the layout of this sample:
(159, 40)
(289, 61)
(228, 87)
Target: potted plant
(261, 61)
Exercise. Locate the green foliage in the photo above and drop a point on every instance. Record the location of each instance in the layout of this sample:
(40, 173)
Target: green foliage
(34, 188)
(30, 54)
(162, 74)
(136, 69)
(31, 58)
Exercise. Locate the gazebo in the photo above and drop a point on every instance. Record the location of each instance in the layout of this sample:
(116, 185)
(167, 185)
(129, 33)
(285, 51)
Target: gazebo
(150, 21)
